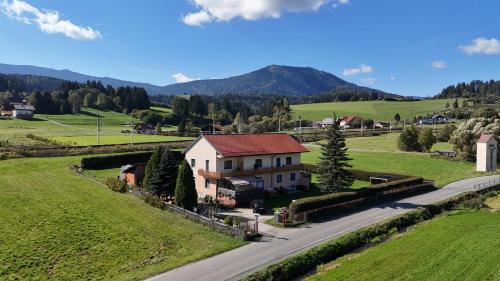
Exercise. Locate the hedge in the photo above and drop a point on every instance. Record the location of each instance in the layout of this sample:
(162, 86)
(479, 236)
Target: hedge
(362, 196)
(116, 160)
(299, 265)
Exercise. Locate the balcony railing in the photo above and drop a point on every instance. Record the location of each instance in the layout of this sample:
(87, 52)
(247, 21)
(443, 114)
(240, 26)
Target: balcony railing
(250, 172)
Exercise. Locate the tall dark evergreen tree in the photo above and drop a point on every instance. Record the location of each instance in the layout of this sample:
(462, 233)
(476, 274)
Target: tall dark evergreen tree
(185, 190)
(152, 166)
(163, 182)
(333, 173)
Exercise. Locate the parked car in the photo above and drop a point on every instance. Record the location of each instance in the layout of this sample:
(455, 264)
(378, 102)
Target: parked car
(258, 206)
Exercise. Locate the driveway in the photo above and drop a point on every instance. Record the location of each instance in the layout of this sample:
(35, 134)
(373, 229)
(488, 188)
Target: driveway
(237, 263)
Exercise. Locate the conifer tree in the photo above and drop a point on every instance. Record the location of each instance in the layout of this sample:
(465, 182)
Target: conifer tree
(163, 182)
(152, 165)
(333, 173)
(185, 190)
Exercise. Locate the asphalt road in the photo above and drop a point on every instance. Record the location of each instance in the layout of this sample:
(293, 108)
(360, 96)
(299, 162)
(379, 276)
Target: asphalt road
(237, 263)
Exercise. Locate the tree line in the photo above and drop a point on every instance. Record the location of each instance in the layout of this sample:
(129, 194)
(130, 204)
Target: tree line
(479, 92)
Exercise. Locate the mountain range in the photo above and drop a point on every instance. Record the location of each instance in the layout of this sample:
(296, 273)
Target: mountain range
(273, 80)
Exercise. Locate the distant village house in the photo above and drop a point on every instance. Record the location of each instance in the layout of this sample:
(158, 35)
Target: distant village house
(18, 110)
(133, 174)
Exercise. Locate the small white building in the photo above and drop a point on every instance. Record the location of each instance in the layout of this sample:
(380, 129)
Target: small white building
(486, 158)
(23, 111)
(327, 122)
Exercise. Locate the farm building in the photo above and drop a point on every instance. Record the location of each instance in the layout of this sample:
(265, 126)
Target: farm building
(381, 124)
(18, 110)
(132, 174)
(350, 122)
(238, 168)
(327, 122)
(145, 129)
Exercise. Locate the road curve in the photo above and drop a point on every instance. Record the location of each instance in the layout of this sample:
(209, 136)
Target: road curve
(235, 264)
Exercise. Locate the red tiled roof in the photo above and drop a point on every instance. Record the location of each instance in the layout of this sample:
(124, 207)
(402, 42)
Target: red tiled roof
(254, 144)
(485, 138)
(350, 118)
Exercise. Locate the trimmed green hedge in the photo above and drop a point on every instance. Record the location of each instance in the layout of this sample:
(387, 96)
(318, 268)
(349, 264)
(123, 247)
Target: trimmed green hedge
(296, 266)
(116, 160)
(363, 195)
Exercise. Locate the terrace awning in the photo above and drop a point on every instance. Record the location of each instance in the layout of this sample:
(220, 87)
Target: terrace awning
(246, 180)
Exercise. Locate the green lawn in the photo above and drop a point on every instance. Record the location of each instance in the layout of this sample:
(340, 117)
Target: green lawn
(75, 129)
(377, 110)
(161, 109)
(62, 226)
(461, 245)
(440, 170)
(493, 203)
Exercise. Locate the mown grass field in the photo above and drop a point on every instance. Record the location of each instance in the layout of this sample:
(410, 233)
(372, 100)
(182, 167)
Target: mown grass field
(77, 129)
(380, 154)
(58, 225)
(377, 110)
(460, 245)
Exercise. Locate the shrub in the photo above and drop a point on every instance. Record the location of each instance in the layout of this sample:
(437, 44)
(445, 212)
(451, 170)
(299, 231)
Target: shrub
(408, 139)
(153, 200)
(426, 139)
(446, 132)
(228, 220)
(116, 185)
(362, 196)
(464, 138)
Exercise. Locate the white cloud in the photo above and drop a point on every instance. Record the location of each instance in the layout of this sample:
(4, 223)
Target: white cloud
(337, 3)
(438, 64)
(48, 21)
(368, 81)
(392, 77)
(182, 78)
(363, 68)
(226, 10)
(482, 46)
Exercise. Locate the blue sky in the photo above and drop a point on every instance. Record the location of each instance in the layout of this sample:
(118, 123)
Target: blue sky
(404, 47)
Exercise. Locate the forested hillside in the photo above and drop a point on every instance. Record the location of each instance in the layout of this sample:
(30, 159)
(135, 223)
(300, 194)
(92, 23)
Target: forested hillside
(478, 91)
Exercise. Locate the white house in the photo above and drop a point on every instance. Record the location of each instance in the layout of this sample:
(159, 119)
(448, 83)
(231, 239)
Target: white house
(486, 154)
(237, 168)
(327, 122)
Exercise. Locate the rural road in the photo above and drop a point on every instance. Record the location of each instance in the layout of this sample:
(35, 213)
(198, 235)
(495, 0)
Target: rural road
(237, 263)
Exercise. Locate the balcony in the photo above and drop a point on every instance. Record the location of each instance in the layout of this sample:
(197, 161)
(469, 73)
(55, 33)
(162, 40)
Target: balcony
(250, 172)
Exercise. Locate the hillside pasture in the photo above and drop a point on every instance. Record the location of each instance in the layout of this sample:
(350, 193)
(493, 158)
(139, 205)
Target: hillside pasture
(376, 110)
(58, 225)
(76, 129)
(460, 245)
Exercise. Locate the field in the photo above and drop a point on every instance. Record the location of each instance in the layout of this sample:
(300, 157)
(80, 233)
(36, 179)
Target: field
(376, 110)
(461, 245)
(62, 226)
(380, 154)
(77, 129)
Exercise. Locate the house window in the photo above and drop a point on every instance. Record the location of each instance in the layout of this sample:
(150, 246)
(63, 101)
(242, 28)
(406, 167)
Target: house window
(279, 178)
(258, 163)
(207, 165)
(288, 161)
(278, 162)
(292, 176)
(193, 162)
(228, 164)
(207, 183)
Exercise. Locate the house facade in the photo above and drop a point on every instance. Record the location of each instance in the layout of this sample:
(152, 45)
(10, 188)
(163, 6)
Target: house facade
(238, 168)
(133, 174)
(486, 158)
(350, 122)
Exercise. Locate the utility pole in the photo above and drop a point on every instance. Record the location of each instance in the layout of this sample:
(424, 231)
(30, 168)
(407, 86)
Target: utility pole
(300, 127)
(98, 128)
(279, 124)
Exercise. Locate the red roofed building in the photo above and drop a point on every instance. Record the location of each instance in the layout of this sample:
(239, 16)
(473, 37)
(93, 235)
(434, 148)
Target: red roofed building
(238, 168)
(350, 122)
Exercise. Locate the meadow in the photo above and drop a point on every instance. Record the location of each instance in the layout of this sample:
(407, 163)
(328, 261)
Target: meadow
(77, 129)
(380, 154)
(376, 110)
(59, 225)
(459, 245)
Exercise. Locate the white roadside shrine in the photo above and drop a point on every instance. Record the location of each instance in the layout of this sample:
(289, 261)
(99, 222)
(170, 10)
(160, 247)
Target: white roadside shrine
(486, 154)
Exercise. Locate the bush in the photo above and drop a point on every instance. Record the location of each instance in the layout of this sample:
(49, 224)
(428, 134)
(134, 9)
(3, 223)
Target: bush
(228, 220)
(408, 139)
(362, 196)
(116, 185)
(153, 200)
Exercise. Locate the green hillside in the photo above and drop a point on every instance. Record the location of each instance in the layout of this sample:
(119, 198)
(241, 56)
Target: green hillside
(58, 225)
(377, 110)
(461, 245)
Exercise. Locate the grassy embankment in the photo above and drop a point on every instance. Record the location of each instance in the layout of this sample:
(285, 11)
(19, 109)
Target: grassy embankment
(377, 110)
(61, 226)
(460, 245)
(77, 129)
